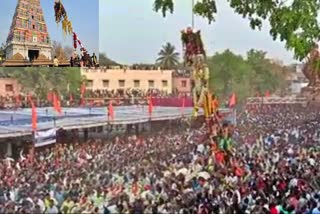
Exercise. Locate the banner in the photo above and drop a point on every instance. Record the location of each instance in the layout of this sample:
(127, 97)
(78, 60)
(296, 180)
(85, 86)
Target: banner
(43, 138)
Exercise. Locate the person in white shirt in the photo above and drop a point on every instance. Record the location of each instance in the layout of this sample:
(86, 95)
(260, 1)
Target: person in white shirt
(52, 209)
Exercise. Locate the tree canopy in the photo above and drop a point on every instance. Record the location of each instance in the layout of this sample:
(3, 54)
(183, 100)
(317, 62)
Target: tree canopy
(294, 22)
(40, 80)
(105, 61)
(168, 57)
(247, 77)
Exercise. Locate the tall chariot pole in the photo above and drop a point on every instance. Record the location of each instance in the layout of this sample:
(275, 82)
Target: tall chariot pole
(192, 14)
(195, 60)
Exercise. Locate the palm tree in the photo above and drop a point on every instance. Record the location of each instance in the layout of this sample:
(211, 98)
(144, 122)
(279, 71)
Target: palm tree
(168, 58)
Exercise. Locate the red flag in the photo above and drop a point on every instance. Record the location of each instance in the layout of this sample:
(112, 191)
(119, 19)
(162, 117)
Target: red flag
(83, 89)
(82, 94)
(83, 101)
(49, 96)
(232, 101)
(18, 100)
(150, 107)
(34, 116)
(267, 94)
(110, 111)
(91, 103)
(56, 104)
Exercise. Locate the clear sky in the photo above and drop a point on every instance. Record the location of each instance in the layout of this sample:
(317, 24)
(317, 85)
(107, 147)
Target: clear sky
(84, 15)
(131, 32)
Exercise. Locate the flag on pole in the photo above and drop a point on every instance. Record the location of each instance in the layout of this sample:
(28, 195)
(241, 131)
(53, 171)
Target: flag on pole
(110, 111)
(267, 94)
(49, 96)
(150, 106)
(232, 101)
(83, 89)
(82, 94)
(18, 100)
(56, 103)
(34, 116)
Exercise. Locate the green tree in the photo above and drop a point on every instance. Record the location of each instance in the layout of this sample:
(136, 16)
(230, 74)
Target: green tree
(230, 73)
(105, 61)
(32, 80)
(2, 52)
(168, 57)
(40, 80)
(268, 74)
(294, 22)
(233, 73)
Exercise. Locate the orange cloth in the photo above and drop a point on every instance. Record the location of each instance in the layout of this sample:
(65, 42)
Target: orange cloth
(214, 105)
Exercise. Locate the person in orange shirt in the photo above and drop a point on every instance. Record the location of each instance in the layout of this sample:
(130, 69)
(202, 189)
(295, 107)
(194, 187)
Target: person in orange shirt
(214, 104)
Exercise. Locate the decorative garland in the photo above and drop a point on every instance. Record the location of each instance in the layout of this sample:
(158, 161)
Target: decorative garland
(61, 16)
(76, 41)
(194, 56)
(192, 44)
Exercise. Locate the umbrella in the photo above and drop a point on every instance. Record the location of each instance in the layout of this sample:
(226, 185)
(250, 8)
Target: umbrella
(204, 175)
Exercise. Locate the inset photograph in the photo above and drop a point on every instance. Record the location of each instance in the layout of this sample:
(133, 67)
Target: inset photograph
(49, 33)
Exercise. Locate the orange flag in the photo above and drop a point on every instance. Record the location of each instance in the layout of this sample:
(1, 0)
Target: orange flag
(18, 100)
(150, 107)
(34, 116)
(49, 96)
(232, 101)
(83, 89)
(56, 103)
(110, 111)
(267, 94)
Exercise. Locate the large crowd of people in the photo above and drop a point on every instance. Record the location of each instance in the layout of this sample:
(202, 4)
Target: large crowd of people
(271, 165)
(128, 96)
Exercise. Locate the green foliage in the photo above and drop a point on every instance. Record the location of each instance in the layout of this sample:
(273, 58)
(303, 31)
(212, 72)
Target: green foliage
(105, 61)
(294, 22)
(43, 79)
(168, 57)
(2, 53)
(232, 73)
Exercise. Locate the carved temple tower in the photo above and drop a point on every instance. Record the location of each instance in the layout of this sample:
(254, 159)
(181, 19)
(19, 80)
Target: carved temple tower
(28, 42)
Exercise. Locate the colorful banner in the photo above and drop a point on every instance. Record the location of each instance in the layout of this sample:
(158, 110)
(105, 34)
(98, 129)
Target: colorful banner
(43, 138)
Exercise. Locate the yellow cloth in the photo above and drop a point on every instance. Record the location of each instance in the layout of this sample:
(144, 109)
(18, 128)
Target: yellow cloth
(56, 62)
(67, 204)
(47, 203)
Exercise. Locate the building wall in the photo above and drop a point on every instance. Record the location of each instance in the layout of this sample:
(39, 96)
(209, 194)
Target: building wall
(9, 87)
(24, 48)
(181, 84)
(97, 79)
(297, 87)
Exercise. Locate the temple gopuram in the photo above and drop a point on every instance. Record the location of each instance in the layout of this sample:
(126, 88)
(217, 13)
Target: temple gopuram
(28, 42)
